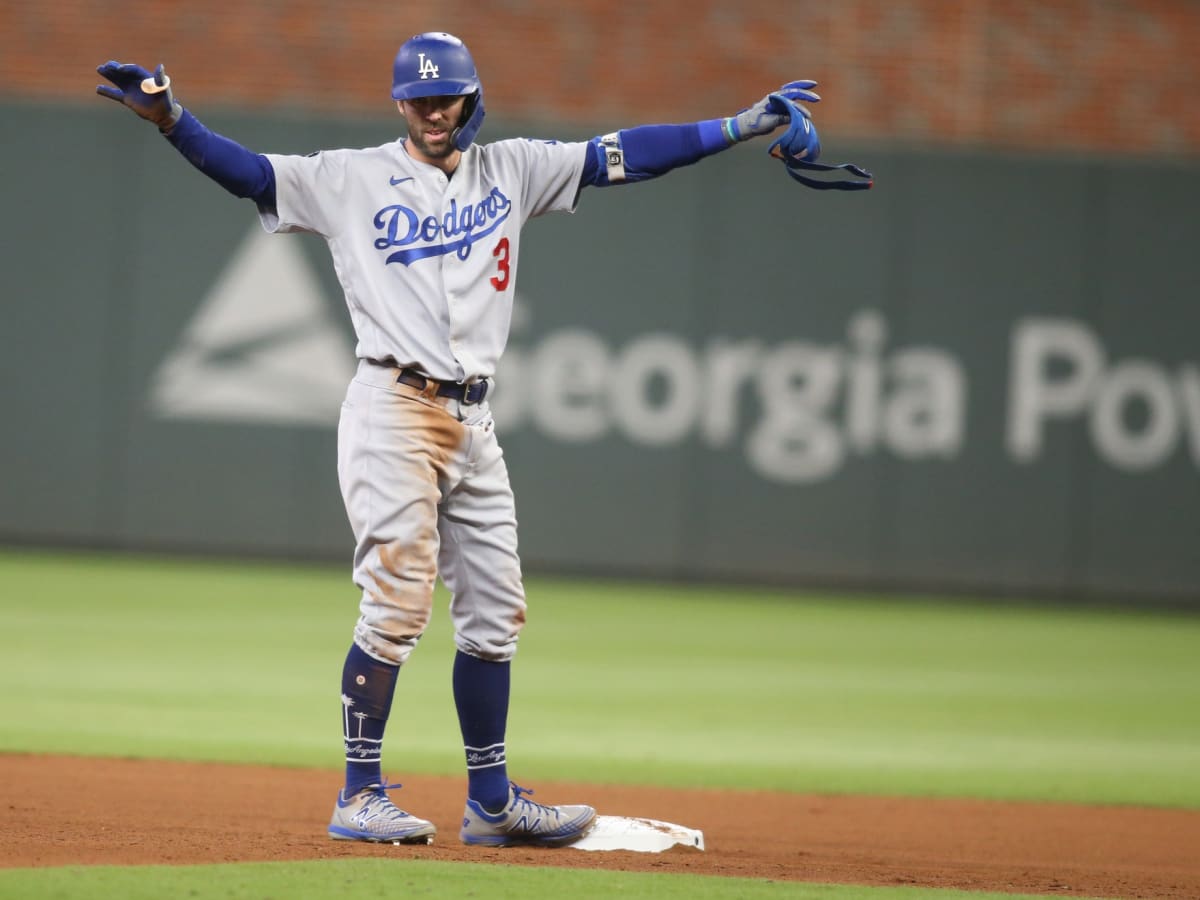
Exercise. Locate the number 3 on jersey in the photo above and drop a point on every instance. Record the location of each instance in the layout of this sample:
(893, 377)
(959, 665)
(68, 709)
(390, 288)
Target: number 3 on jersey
(500, 279)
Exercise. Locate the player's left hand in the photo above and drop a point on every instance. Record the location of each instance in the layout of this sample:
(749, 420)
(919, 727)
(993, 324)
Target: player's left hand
(771, 111)
(147, 95)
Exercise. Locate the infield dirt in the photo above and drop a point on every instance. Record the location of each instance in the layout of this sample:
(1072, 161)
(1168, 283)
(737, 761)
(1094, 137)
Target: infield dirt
(135, 812)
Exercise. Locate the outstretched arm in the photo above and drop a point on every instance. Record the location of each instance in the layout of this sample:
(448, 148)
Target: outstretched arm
(240, 171)
(638, 154)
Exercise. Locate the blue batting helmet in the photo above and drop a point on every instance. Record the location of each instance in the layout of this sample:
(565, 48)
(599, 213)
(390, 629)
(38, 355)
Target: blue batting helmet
(436, 64)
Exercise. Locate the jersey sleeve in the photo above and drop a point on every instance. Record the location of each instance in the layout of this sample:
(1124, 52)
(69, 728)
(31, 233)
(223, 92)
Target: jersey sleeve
(553, 174)
(307, 193)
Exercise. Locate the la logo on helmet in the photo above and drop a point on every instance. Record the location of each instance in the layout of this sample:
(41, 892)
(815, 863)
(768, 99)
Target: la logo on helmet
(426, 67)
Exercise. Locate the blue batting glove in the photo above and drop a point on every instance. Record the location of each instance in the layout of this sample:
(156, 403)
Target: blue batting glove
(797, 91)
(799, 148)
(800, 141)
(147, 95)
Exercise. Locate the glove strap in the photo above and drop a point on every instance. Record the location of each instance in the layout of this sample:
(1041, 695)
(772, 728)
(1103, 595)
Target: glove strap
(839, 185)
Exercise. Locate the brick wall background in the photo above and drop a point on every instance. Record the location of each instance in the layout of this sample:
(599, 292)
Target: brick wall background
(1103, 77)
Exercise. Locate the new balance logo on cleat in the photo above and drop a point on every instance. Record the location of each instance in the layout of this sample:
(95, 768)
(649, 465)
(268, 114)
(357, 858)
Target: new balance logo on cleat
(363, 817)
(524, 825)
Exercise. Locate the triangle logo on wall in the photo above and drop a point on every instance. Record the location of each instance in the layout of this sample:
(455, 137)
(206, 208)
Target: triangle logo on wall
(262, 348)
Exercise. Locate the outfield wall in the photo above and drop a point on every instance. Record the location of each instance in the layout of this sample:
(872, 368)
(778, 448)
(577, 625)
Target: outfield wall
(982, 375)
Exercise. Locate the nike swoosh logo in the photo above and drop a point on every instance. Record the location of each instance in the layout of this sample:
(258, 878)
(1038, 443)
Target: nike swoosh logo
(393, 181)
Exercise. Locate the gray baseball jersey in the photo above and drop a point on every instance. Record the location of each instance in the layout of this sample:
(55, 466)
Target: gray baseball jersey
(427, 262)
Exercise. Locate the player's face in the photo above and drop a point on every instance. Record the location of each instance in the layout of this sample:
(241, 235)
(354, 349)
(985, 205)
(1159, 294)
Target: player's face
(431, 121)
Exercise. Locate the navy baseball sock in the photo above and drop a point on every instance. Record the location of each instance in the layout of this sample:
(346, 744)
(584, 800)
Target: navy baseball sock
(367, 689)
(481, 697)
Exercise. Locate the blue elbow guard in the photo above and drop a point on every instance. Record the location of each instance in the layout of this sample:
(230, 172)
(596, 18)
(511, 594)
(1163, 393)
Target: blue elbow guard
(606, 162)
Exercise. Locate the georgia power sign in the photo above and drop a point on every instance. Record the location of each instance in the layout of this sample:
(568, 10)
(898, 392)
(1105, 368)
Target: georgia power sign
(265, 347)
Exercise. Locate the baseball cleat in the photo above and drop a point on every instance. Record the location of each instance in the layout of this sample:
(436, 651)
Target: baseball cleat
(370, 815)
(524, 822)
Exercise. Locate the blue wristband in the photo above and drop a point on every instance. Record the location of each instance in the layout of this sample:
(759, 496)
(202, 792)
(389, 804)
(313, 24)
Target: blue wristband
(717, 135)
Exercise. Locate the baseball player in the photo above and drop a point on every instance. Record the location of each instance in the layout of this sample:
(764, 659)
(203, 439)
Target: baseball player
(425, 235)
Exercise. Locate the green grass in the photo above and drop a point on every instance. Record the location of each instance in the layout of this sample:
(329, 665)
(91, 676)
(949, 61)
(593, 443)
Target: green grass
(615, 682)
(387, 878)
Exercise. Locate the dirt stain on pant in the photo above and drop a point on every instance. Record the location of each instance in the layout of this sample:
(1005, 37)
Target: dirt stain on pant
(427, 493)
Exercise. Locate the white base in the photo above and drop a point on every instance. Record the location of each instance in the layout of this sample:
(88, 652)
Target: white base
(644, 835)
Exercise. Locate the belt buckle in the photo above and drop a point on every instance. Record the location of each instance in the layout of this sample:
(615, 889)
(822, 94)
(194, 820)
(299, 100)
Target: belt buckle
(467, 388)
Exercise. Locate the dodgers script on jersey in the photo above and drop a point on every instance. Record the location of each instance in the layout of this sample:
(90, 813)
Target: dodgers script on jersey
(428, 263)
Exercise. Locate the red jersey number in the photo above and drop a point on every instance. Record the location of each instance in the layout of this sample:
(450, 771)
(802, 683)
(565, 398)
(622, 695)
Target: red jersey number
(500, 279)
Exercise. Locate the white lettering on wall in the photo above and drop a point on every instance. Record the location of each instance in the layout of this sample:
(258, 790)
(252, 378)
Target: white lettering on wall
(799, 410)
(816, 405)
(1137, 411)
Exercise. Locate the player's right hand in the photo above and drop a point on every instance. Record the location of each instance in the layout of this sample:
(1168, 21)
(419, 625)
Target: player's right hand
(147, 95)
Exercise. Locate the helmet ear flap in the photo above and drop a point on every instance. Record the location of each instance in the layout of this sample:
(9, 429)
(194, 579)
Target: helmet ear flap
(472, 119)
